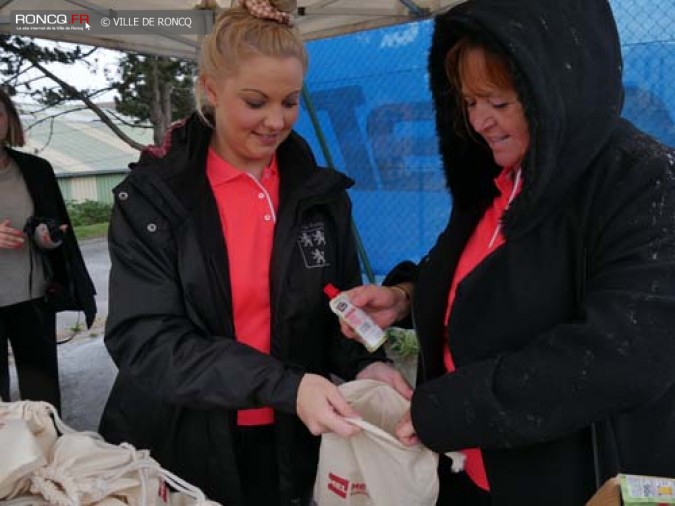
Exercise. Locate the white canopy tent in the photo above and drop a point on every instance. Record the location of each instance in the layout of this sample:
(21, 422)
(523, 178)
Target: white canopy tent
(315, 18)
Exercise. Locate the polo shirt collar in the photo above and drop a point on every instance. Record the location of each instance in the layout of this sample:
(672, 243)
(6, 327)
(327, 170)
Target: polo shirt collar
(506, 179)
(221, 172)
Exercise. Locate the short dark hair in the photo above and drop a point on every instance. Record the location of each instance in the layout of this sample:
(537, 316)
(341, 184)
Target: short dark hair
(15, 135)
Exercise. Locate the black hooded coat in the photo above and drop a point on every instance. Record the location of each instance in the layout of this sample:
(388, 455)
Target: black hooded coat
(568, 327)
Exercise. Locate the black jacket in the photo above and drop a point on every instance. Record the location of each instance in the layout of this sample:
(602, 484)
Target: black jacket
(70, 287)
(570, 323)
(170, 329)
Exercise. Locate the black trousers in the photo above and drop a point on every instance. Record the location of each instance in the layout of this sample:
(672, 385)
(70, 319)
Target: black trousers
(257, 465)
(31, 329)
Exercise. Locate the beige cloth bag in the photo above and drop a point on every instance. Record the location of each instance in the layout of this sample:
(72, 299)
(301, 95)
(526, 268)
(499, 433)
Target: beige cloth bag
(83, 470)
(26, 500)
(373, 468)
(20, 455)
(38, 416)
(28, 431)
(78, 468)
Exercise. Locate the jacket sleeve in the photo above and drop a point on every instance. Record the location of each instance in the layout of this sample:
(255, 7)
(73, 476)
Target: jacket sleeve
(67, 263)
(153, 338)
(80, 283)
(348, 356)
(616, 356)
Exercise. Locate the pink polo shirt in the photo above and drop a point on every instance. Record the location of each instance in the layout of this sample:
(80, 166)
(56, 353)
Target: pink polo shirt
(486, 238)
(248, 209)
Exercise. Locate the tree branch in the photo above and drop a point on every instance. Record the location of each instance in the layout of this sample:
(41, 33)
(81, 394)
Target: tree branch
(76, 94)
(126, 122)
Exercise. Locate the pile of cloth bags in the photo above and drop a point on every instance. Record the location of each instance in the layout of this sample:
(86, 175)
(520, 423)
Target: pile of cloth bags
(43, 461)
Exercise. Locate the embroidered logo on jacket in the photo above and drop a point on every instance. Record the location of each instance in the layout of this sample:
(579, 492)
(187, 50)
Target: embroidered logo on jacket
(312, 243)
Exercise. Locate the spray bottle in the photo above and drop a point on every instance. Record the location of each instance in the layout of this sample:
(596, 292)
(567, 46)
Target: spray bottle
(368, 332)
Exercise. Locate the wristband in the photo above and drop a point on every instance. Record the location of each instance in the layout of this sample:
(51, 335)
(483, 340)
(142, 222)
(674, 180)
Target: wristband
(405, 292)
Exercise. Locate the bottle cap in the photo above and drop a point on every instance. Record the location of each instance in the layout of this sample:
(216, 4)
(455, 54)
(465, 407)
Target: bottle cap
(331, 291)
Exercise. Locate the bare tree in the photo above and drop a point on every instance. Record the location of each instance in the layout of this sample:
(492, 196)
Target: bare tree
(153, 91)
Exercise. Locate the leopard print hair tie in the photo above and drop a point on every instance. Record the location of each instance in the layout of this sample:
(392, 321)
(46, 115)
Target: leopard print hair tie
(263, 9)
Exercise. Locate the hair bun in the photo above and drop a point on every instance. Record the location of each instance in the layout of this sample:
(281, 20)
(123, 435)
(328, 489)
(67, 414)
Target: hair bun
(274, 10)
(288, 6)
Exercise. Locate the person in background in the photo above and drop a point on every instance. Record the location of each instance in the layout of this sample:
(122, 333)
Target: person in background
(221, 243)
(41, 267)
(545, 311)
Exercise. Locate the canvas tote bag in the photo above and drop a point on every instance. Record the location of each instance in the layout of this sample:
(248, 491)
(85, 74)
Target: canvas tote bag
(20, 455)
(28, 431)
(83, 470)
(373, 468)
(46, 462)
(41, 417)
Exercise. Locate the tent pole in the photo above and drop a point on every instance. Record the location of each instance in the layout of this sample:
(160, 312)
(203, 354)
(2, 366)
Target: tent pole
(329, 161)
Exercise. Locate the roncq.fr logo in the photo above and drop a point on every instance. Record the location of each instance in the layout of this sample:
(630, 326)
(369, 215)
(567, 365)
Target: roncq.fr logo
(52, 19)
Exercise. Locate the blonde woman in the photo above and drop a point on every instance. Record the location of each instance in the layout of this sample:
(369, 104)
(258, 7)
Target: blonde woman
(221, 243)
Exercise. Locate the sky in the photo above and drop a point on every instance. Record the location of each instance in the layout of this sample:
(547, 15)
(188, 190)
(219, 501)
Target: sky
(80, 74)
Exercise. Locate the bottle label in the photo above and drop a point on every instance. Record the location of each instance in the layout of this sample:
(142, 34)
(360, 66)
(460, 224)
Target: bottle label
(368, 331)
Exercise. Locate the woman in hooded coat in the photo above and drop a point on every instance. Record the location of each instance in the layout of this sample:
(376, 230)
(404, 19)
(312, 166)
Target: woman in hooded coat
(545, 310)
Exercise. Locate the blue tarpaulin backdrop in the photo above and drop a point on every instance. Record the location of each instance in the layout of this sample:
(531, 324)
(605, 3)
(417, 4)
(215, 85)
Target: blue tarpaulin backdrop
(370, 92)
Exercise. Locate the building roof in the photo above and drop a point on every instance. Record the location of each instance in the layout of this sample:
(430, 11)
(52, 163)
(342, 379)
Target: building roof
(78, 141)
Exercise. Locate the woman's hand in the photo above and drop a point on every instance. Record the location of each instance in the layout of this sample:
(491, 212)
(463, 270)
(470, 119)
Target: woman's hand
(321, 407)
(10, 238)
(43, 236)
(385, 305)
(405, 432)
(381, 371)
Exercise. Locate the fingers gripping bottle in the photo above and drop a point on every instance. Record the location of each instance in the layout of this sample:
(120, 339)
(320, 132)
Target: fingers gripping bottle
(368, 332)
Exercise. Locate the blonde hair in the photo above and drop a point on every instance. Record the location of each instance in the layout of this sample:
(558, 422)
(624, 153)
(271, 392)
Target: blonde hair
(15, 136)
(238, 35)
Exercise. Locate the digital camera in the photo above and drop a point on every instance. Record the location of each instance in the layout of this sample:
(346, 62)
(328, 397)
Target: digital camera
(55, 233)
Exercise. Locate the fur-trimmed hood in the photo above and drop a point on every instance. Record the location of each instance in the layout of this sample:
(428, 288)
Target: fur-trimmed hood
(567, 68)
